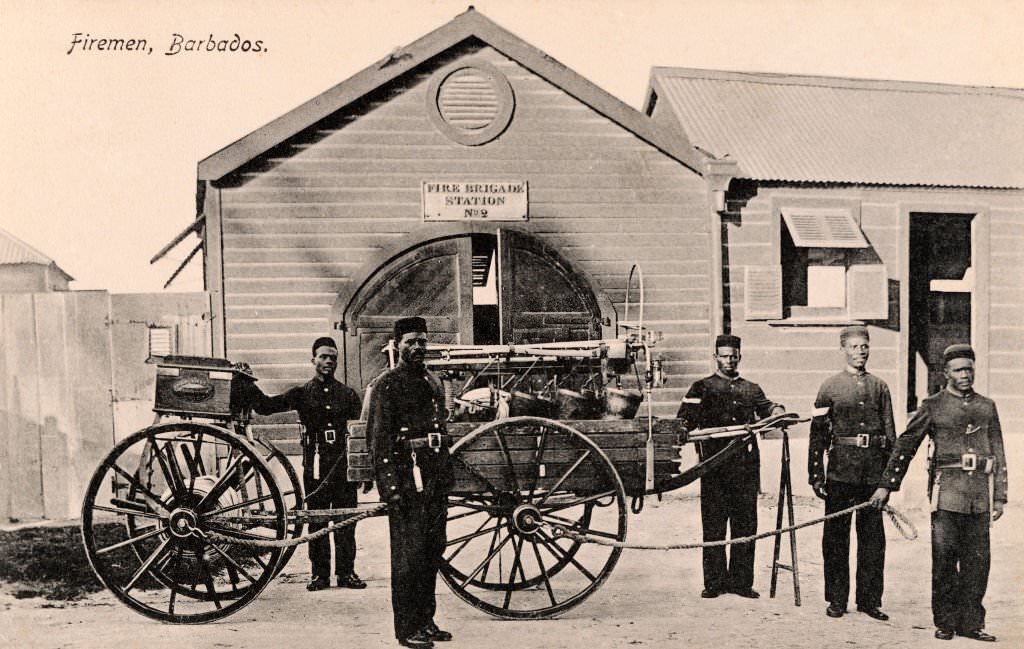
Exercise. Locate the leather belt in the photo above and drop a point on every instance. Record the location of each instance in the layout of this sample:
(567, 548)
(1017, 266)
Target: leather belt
(968, 462)
(432, 440)
(863, 440)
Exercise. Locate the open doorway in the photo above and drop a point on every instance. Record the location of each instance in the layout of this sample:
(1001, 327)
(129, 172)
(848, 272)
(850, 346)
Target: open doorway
(942, 296)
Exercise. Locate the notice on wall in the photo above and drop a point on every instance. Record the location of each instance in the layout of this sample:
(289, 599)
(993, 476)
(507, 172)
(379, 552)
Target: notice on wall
(475, 201)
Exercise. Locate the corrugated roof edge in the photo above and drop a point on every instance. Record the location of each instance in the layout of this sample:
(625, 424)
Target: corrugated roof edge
(30, 254)
(781, 78)
(465, 25)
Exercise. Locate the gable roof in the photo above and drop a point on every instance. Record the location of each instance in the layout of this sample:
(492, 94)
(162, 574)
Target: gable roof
(466, 25)
(15, 251)
(827, 129)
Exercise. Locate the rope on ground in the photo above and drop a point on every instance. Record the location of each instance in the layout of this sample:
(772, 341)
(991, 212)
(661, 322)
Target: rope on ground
(902, 524)
(286, 543)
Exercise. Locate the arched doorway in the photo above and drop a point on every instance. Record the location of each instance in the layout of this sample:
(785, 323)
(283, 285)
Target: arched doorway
(504, 286)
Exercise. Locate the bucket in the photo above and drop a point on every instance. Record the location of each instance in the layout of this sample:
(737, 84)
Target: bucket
(526, 404)
(577, 405)
(621, 404)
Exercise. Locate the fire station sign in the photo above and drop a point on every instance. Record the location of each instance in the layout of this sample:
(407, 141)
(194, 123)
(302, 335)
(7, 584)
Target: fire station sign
(475, 201)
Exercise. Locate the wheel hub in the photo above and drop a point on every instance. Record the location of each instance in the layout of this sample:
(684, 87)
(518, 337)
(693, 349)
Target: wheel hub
(182, 522)
(526, 519)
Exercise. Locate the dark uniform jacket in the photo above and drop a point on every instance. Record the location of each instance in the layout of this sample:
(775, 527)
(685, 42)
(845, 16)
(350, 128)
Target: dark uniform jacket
(406, 402)
(322, 404)
(946, 418)
(851, 404)
(719, 401)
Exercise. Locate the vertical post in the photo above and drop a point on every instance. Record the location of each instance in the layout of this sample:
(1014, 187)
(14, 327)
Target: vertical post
(785, 501)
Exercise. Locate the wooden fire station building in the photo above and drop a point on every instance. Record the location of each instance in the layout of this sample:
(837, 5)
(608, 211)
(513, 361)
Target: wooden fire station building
(469, 178)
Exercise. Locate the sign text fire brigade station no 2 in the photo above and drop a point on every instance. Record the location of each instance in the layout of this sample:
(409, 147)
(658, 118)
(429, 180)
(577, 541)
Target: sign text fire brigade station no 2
(475, 201)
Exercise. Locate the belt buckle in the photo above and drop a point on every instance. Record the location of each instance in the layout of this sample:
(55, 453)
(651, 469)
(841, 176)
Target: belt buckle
(969, 461)
(863, 440)
(434, 440)
(330, 436)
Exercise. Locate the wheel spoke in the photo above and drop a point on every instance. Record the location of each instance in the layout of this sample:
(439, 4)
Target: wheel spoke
(232, 563)
(579, 501)
(486, 561)
(490, 548)
(221, 485)
(565, 476)
(471, 537)
(512, 573)
(211, 588)
(238, 534)
(538, 461)
(145, 565)
(479, 532)
(170, 469)
(544, 573)
(142, 537)
(125, 512)
(244, 503)
(550, 544)
(153, 499)
(508, 461)
(466, 514)
(470, 505)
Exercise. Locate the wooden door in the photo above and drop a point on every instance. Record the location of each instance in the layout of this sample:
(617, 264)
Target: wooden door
(433, 281)
(541, 298)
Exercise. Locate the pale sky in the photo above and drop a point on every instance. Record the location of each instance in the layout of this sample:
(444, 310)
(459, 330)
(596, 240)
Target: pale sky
(99, 149)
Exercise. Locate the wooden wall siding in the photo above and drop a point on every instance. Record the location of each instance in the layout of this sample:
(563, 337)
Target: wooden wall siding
(790, 362)
(299, 223)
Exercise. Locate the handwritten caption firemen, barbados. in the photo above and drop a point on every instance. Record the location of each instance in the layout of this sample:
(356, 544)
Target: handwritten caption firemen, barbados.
(84, 42)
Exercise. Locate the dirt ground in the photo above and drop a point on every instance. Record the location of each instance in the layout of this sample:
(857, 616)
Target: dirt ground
(651, 599)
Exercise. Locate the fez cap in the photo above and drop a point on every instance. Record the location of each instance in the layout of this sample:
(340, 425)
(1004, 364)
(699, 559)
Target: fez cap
(323, 341)
(406, 325)
(727, 340)
(959, 350)
(859, 331)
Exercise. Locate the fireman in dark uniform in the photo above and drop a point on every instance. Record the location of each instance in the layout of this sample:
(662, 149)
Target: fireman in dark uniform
(967, 488)
(853, 422)
(324, 405)
(405, 425)
(728, 495)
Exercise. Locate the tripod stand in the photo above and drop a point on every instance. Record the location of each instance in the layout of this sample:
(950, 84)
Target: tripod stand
(785, 501)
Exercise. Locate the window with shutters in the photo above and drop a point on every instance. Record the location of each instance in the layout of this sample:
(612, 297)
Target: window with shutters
(826, 270)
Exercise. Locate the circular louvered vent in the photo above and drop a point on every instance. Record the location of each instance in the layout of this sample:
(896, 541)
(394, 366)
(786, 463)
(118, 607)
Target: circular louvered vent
(470, 103)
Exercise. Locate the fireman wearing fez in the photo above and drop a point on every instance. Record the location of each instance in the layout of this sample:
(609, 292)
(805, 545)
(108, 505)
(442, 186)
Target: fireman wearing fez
(853, 421)
(405, 425)
(325, 405)
(967, 489)
(728, 495)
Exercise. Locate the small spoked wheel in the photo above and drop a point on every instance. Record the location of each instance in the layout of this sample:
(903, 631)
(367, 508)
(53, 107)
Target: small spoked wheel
(169, 519)
(516, 480)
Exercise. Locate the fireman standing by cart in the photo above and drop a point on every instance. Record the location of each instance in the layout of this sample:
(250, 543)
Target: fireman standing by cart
(853, 421)
(967, 489)
(405, 426)
(728, 495)
(325, 405)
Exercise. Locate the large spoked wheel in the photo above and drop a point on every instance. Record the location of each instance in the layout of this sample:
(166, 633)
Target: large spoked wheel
(516, 478)
(167, 517)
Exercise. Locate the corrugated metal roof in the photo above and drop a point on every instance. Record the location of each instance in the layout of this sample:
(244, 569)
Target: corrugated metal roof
(15, 251)
(826, 129)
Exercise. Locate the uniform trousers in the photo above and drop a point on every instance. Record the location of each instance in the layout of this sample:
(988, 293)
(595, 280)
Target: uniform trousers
(729, 500)
(835, 547)
(330, 491)
(417, 527)
(960, 565)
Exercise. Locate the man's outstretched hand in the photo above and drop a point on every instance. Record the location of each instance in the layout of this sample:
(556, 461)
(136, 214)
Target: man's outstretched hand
(880, 497)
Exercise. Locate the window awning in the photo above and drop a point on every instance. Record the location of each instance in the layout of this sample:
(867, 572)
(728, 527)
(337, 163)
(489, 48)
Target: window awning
(816, 227)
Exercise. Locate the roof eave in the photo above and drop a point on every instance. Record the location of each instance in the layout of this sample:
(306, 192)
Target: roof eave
(464, 26)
